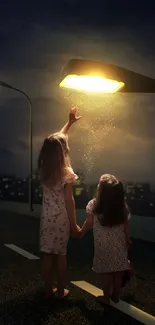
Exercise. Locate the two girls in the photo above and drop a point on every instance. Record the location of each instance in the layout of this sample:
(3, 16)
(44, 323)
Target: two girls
(107, 214)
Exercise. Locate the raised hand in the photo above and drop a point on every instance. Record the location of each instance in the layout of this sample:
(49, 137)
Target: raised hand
(73, 116)
(72, 119)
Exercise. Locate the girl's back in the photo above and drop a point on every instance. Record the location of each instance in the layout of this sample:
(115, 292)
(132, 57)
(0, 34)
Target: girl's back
(110, 252)
(107, 214)
(55, 225)
(53, 199)
(58, 206)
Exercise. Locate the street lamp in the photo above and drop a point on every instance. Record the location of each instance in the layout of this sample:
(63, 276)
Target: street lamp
(99, 77)
(3, 84)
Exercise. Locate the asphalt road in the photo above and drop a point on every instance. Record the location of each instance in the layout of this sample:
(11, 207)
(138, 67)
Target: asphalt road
(21, 284)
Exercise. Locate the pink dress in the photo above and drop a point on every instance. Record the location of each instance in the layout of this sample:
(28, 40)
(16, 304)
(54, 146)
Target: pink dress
(110, 251)
(54, 223)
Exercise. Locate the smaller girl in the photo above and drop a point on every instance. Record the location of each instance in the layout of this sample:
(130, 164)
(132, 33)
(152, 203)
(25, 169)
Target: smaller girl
(58, 216)
(107, 214)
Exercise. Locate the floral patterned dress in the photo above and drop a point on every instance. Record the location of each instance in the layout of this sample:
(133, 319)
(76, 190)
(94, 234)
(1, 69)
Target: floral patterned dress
(110, 251)
(54, 223)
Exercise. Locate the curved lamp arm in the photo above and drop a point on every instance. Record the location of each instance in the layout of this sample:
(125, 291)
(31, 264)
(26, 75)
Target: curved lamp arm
(4, 84)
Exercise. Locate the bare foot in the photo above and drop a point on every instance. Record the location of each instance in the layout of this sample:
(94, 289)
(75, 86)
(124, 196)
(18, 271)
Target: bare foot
(103, 300)
(50, 294)
(64, 295)
(54, 290)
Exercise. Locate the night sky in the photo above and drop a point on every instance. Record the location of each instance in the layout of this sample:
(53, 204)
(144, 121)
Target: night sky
(117, 133)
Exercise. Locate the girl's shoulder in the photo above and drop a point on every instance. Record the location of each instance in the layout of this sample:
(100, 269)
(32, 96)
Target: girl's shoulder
(69, 176)
(90, 206)
(48, 187)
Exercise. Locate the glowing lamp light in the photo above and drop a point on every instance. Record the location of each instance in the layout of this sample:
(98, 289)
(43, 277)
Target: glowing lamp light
(99, 77)
(93, 84)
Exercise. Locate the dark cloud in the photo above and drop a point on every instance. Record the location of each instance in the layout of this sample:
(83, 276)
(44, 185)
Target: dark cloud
(42, 37)
(68, 12)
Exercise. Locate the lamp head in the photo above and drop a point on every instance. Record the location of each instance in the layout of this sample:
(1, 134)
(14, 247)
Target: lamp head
(99, 77)
(89, 76)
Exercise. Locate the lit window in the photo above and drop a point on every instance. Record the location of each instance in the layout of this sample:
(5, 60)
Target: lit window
(78, 191)
(78, 181)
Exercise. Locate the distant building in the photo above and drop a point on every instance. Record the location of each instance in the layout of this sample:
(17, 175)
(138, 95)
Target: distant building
(139, 197)
(130, 188)
(12, 188)
(7, 187)
(137, 190)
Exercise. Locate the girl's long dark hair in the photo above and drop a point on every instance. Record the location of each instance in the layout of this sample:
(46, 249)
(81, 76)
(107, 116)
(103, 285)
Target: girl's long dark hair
(53, 160)
(110, 202)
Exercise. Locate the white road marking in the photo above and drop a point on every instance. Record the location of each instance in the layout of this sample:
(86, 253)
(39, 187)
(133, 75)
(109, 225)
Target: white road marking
(130, 310)
(22, 252)
(124, 307)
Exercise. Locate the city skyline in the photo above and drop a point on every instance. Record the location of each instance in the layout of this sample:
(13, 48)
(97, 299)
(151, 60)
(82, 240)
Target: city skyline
(35, 176)
(139, 196)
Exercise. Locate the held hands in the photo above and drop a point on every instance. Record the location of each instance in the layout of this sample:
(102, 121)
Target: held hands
(76, 232)
(72, 116)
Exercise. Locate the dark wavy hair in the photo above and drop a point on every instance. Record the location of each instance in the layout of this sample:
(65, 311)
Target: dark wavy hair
(110, 207)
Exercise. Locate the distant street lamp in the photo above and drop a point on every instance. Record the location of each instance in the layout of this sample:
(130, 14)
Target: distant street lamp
(3, 84)
(99, 77)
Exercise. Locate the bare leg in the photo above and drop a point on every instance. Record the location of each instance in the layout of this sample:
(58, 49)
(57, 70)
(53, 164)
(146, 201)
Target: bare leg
(62, 276)
(48, 269)
(117, 282)
(106, 283)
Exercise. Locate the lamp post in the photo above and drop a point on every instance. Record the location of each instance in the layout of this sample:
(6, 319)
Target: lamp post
(3, 84)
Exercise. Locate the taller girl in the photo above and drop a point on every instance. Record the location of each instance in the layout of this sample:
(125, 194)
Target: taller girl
(58, 216)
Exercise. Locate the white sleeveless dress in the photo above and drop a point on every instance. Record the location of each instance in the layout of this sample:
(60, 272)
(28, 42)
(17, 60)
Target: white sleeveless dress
(110, 251)
(54, 223)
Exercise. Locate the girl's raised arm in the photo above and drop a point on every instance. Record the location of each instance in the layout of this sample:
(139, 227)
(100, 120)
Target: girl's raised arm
(72, 119)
